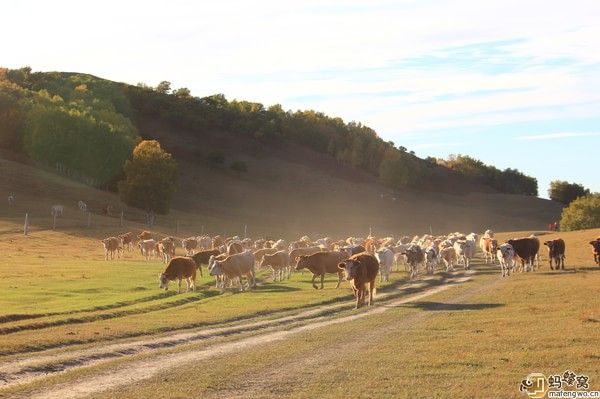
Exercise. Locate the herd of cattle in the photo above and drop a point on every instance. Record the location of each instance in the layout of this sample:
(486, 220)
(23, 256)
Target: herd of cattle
(359, 260)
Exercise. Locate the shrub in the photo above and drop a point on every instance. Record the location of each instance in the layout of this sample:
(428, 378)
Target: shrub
(582, 213)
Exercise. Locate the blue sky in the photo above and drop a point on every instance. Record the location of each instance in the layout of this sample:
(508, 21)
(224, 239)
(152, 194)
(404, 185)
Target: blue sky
(513, 83)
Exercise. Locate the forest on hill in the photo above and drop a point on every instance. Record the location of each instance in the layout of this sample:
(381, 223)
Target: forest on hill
(86, 127)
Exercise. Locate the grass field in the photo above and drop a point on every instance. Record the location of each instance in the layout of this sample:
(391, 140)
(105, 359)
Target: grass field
(76, 325)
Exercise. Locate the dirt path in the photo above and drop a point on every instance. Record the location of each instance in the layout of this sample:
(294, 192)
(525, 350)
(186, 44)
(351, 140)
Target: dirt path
(143, 369)
(27, 368)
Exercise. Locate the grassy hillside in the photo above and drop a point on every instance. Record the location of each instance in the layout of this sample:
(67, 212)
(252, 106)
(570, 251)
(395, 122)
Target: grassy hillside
(307, 172)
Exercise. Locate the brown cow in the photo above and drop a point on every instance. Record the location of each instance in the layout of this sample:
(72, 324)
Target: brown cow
(279, 262)
(489, 246)
(321, 263)
(556, 253)
(234, 247)
(235, 266)
(127, 240)
(202, 258)
(361, 269)
(179, 268)
(111, 245)
(295, 253)
(370, 246)
(217, 241)
(189, 245)
(145, 235)
(596, 250)
(260, 253)
(167, 248)
(526, 249)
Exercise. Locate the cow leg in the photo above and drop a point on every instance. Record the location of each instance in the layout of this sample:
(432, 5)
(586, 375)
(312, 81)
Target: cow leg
(241, 283)
(340, 277)
(371, 289)
(322, 279)
(313, 281)
(179, 291)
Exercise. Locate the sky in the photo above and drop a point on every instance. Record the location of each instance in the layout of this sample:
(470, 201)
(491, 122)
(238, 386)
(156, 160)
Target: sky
(514, 83)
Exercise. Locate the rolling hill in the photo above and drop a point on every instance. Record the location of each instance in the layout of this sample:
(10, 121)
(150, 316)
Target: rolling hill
(290, 187)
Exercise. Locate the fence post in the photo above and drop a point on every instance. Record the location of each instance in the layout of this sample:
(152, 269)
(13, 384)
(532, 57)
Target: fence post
(89, 221)
(26, 226)
(121, 218)
(54, 220)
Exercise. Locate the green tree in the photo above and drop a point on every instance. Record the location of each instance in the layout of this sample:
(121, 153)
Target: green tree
(565, 192)
(239, 167)
(183, 92)
(150, 178)
(163, 87)
(582, 213)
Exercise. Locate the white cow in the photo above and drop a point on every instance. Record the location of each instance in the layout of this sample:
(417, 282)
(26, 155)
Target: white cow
(82, 206)
(204, 242)
(431, 259)
(57, 210)
(148, 248)
(460, 247)
(385, 256)
(448, 256)
(506, 256)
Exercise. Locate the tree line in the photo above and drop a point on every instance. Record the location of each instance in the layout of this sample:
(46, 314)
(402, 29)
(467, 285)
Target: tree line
(350, 143)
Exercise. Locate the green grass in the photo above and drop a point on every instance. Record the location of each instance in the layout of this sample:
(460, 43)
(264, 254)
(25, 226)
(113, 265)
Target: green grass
(464, 342)
(58, 294)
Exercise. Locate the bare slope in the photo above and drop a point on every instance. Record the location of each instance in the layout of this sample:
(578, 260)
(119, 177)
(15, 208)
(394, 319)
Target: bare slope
(288, 191)
(290, 188)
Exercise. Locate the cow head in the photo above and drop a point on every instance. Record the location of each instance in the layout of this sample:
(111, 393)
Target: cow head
(302, 262)
(506, 251)
(596, 245)
(216, 269)
(549, 244)
(163, 281)
(351, 268)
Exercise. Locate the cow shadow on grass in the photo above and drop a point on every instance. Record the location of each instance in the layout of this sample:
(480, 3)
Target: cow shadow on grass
(441, 306)
(273, 287)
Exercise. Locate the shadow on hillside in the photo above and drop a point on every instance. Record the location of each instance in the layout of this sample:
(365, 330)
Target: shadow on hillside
(425, 305)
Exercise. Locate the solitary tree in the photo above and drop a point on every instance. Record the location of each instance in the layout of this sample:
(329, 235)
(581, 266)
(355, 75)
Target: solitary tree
(565, 192)
(150, 178)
